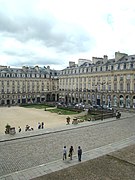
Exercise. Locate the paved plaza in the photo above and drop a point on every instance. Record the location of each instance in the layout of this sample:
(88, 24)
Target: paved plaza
(43, 148)
(117, 165)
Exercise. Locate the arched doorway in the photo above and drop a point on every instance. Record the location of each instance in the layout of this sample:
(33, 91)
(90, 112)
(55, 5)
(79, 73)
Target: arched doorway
(121, 101)
(29, 99)
(48, 97)
(66, 99)
(80, 98)
(109, 100)
(103, 100)
(23, 99)
(43, 99)
(98, 99)
(57, 97)
(8, 101)
(128, 102)
(53, 97)
(133, 101)
(33, 99)
(84, 98)
(38, 99)
(115, 101)
(89, 101)
(93, 99)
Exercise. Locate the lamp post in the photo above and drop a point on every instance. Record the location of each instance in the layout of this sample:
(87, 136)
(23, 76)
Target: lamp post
(102, 117)
(96, 95)
(101, 103)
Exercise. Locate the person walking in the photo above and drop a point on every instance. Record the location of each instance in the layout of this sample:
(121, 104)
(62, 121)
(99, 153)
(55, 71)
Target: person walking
(42, 125)
(19, 129)
(39, 125)
(64, 153)
(79, 153)
(71, 150)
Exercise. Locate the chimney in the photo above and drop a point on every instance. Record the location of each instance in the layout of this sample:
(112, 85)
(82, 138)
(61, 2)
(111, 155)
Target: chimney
(71, 64)
(105, 59)
(37, 68)
(119, 55)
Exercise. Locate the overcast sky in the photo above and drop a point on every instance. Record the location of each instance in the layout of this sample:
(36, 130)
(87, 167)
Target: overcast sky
(54, 32)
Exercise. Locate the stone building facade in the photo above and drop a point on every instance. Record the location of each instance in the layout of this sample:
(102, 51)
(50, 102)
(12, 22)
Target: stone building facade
(28, 85)
(101, 81)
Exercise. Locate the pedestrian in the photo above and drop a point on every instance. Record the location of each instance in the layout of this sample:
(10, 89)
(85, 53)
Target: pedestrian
(79, 153)
(64, 153)
(19, 129)
(42, 125)
(39, 125)
(71, 150)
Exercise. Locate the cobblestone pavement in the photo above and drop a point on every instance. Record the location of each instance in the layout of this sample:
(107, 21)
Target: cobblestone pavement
(25, 153)
(118, 165)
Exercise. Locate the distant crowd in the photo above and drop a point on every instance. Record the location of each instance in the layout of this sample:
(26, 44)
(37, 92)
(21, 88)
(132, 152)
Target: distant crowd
(28, 128)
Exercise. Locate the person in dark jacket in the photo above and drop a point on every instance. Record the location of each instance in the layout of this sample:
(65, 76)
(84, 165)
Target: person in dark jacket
(71, 150)
(42, 125)
(79, 153)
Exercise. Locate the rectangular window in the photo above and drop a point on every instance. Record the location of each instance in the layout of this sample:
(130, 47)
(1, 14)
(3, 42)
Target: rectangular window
(121, 78)
(7, 83)
(128, 76)
(109, 87)
(115, 87)
(115, 78)
(109, 78)
(121, 87)
(104, 87)
(128, 87)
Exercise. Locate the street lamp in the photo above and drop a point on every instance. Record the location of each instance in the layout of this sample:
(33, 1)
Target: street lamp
(95, 91)
(101, 96)
(102, 117)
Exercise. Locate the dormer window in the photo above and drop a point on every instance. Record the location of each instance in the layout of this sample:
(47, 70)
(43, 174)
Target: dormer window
(131, 65)
(100, 68)
(124, 65)
(7, 75)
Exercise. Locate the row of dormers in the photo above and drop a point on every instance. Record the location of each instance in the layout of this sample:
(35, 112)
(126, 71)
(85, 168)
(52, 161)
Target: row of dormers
(121, 62)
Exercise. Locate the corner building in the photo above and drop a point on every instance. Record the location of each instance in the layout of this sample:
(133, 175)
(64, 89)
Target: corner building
(100, 81)
(28, 85)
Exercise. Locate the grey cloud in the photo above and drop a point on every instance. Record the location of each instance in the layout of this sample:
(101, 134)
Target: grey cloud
(17, 53)
(31, 61)
(25, 28)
